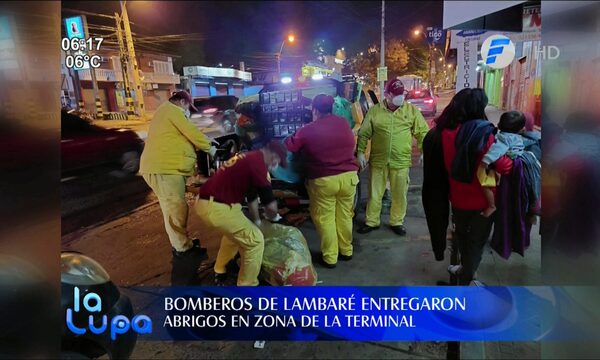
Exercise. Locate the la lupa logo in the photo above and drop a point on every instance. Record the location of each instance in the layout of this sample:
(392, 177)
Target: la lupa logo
(119, 324)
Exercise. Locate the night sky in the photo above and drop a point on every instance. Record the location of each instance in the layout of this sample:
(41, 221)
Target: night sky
(235, 31)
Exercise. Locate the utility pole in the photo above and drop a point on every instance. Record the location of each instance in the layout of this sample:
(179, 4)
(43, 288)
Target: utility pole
(124, 69)
(99, 112)
(279, 59)
(431, 82)
(139, 92)
(77, 89)
(98, 102)
(381, 83)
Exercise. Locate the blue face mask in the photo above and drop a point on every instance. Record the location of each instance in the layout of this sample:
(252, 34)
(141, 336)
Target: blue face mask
(188, 113)
(398, 100)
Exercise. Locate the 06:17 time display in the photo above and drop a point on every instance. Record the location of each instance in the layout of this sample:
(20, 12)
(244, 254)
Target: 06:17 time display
(78, 44)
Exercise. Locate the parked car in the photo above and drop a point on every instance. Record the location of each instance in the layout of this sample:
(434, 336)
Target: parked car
(423, 100)
(219, 109)
(84, 145)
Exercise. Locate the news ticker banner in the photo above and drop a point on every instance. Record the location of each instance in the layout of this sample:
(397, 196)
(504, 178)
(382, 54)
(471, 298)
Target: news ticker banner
(440, 313)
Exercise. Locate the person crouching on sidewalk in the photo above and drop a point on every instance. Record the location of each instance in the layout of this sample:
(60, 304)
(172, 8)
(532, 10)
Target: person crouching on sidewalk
(220, 209)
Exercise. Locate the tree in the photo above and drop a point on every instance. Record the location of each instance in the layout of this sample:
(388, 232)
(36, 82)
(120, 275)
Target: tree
(365, 64)
(396, 58)
(321, 48)
(418, 63)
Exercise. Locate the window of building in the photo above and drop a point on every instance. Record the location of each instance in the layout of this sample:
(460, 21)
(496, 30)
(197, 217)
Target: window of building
(163, 67)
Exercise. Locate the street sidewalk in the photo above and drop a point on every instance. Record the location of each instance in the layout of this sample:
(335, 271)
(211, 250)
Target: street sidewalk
(135, 251)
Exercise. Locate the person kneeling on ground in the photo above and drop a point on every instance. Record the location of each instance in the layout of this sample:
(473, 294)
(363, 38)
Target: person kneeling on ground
(220, 209)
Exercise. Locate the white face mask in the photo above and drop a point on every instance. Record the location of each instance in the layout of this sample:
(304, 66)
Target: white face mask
(273, 168)
(398, 100)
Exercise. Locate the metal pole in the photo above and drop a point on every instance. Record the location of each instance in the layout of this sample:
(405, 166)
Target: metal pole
(381, 83)
(279, 59)
(139, 92)
(431, 82)
(124, 70)
(77, 89)
(99, 112)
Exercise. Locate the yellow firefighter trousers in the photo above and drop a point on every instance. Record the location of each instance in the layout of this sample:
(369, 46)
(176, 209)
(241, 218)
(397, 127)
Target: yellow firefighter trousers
(170, 190)
(238, 234)
(331, 200)
(399, 181)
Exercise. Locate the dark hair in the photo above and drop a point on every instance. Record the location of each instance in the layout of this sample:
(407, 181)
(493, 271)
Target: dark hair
(512, 122)
(178, 96)
(250, 109)
(468, 104)
(323, 103)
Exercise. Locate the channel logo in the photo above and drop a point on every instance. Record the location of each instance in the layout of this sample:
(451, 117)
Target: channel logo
(498, 51)
(120, 324)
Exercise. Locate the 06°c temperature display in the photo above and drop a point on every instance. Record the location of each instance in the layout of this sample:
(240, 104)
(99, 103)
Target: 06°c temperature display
(79, 54)
(80, 61)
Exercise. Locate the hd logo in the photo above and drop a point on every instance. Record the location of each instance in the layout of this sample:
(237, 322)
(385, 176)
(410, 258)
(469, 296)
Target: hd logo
(498, 51)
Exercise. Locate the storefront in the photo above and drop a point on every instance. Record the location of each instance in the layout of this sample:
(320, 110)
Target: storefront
(516, 86)
(202, 81)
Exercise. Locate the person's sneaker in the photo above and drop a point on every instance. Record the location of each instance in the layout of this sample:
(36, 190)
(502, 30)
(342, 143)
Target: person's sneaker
(455, 269)
(399, 230)
(194, 250)
(326, 264)
(365, 229)
(344, 257)
(220, 279)
(476, 283)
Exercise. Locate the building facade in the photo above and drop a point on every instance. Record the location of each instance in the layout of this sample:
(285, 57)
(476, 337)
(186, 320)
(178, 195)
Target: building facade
(515, 87)
(203, 81)
(156, 72)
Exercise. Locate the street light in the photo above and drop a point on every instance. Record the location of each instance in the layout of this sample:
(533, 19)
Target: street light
(291, 39)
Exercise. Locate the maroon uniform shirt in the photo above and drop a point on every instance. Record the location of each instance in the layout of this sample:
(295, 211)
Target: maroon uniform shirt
(326, 147)
(241, 175)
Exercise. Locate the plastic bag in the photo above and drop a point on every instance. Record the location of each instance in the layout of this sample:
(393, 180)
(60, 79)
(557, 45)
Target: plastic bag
(343, 108)
(286, 258)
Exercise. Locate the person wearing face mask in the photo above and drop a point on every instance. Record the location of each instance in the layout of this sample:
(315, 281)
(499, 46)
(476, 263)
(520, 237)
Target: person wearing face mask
(168, 159)
(245, 176)
(326, 148)
(391, 126)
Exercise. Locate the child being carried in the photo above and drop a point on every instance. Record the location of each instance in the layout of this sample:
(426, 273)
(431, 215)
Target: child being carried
(508, 142)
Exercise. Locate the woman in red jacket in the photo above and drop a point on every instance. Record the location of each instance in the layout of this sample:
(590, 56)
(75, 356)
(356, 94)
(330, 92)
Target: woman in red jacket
(452, 152)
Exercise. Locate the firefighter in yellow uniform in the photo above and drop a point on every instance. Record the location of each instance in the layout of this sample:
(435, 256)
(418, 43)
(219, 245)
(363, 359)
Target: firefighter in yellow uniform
(168, 158)
(391, 126)
(243, 177)
(326, 147)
